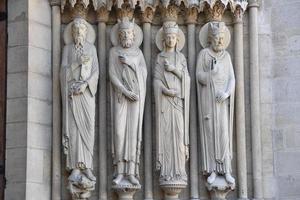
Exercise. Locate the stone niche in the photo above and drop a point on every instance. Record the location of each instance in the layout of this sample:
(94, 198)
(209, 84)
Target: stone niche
(149, 15)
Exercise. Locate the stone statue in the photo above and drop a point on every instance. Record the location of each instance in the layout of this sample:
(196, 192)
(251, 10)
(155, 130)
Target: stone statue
(128, 73)
(172, 94)
(215, 88)
(79, 79)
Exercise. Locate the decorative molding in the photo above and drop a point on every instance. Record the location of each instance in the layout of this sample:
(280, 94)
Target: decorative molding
(238, 15)
(213, 8)
(191, 15)
(102, 14)
(215, 12)
(125, 11)
(79, 10)
(147, 15)
(170, 13)
(239, 4)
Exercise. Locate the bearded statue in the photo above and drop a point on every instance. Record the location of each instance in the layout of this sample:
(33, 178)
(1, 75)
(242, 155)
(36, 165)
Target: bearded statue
(128, 73)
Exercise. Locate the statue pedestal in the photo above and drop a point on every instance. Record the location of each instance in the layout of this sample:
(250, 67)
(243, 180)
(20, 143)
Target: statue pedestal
(80, 187)
(219, 188)
(126, 190)
(172, 191)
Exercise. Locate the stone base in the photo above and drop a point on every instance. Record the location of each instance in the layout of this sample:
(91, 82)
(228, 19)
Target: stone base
(219, 188)
(126, 190)
(172, 191)
(81, 187)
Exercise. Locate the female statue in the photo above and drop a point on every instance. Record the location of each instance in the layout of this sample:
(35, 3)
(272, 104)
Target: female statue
(172, 90)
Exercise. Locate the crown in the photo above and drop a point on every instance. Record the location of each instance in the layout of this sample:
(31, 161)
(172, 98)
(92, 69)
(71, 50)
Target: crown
(170, 27)
(125, 23)
(215, 28)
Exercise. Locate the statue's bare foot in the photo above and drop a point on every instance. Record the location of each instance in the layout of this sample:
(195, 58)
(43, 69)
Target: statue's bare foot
(74, 176)
(89, 174)
(133, 180)
(229, 178)
(211, 178)
(118, 180)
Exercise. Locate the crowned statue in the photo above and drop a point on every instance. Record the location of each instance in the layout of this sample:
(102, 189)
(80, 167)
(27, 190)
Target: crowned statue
(215, 88)
(128, 73)
(79, 79)
(172, 95)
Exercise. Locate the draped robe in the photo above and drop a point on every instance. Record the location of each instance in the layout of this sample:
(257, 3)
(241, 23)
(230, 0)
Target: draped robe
(127, 115)
(216, 119)
(79, 110)
(172, 118)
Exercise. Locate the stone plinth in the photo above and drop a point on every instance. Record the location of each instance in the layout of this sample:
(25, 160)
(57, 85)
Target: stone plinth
(172, 191)
(219, 188)
(81, 187)
(126, 190)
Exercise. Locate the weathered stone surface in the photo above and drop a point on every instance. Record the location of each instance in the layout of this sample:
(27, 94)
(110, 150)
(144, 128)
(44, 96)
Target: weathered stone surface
(29, 104)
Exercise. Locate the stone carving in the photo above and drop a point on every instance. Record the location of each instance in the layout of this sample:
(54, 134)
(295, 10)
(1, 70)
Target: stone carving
(79, 79)
(215, 13)
(191, 15)
(127, 72)
(170, 13)
(215, 85)
(172, 94)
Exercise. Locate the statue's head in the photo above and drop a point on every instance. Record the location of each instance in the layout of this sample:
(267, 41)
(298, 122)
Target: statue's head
(216, 35)
(170, 30)
(126, 32)
(79, 31)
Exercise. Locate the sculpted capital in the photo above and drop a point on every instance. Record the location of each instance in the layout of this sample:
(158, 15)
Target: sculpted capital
(216, 12)
(238, 15)
(170, 13)
(102, 14)
(147, 15)
(125, 11)
(191, 15)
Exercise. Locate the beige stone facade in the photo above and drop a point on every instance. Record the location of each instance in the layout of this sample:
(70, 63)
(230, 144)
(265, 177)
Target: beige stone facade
(265, 50)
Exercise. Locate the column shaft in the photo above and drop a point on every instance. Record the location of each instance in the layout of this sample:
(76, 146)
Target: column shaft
(56, 137)
(240, 109)
(102, 111)
(194, 193)
(255, 101)
(147, 117)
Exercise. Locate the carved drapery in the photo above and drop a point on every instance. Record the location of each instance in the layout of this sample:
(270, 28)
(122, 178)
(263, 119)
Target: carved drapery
(106, 12)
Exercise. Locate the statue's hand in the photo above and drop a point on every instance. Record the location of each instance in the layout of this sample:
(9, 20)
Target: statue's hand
(131, 95)
(221, 96)
(168, 67)
(171, 92)
(124, 60)
(80, 88)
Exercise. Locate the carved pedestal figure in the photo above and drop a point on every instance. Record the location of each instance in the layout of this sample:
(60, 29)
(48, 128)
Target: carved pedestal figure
(215, 85)
(172, 93)
(79, 78)
(127, 72)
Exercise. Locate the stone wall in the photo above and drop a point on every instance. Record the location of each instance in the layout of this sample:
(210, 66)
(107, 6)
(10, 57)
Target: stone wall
(29, 100)
(29, 103)
(279, 63)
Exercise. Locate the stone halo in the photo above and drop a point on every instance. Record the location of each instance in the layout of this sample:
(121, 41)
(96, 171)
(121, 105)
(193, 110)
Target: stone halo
(114, 36)
(91, 34)
(203, 36)
(160, 36)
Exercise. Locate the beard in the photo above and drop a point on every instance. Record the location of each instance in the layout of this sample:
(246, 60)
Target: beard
(218, 48)
(79, 40)
(127, 43)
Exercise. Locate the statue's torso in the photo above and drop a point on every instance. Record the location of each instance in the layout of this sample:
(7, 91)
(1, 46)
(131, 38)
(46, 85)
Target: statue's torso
(173, 81)
(221, 69)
